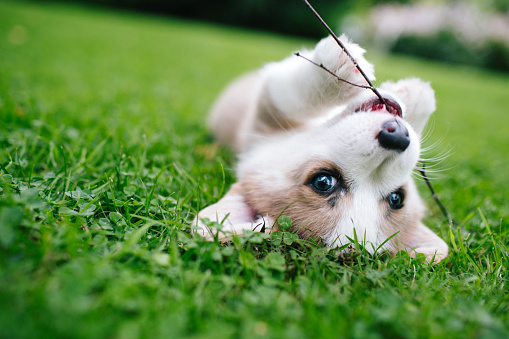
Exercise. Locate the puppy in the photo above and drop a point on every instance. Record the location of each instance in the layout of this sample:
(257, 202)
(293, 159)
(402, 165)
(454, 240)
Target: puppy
(329, 155)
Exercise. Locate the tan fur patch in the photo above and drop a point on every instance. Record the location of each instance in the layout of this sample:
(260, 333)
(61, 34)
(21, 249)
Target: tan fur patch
(313, 215)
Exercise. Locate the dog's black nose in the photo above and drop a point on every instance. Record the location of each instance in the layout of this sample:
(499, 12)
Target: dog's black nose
(394, 136)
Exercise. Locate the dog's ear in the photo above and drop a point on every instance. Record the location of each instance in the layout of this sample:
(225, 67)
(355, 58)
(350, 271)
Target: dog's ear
(420, 239)
(233, 212)
(418, 99)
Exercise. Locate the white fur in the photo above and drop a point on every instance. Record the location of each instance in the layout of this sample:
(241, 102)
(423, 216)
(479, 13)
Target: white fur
(322, 127)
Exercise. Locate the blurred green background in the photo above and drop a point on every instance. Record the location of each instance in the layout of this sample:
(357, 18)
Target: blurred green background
(470, 32)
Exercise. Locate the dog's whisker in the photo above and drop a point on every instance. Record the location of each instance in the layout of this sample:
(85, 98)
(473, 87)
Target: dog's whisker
(427, 136)
(436, 144)
(428, 131)
(437, 158)
(434, 171)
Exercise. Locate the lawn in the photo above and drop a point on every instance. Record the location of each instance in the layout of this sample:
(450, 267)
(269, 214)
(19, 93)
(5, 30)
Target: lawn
(105, 159)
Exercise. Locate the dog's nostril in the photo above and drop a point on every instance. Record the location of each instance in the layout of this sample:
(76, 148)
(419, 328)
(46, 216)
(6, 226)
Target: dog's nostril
(394, 136)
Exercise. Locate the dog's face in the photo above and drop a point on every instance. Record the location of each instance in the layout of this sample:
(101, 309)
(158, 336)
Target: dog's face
(350, 174)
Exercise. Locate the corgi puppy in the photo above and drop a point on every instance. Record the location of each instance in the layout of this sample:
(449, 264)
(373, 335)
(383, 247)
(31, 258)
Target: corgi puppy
(331, 156)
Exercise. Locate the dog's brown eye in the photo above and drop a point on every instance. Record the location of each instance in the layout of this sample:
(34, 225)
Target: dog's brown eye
(324, 182)
(396, 199)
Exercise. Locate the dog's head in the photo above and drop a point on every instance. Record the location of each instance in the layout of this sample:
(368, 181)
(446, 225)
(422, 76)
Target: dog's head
(351, 174)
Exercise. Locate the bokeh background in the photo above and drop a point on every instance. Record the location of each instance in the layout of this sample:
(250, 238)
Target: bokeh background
(474, 32)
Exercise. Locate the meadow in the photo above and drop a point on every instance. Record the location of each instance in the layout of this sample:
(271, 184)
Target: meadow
(105, 159)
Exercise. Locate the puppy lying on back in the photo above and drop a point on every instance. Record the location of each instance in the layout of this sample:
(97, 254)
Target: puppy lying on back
(329, 155)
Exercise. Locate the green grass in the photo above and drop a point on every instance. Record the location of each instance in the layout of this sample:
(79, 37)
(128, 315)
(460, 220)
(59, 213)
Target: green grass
(105, 159)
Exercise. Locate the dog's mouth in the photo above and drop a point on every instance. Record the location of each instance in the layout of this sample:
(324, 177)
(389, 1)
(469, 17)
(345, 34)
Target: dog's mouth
(376, 105)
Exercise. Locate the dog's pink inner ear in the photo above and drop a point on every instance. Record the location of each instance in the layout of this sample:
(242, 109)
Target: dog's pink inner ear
(234, 210)
(234, 203)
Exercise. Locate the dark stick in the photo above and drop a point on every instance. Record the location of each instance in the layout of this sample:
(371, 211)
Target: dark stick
(371, 87)
(435, 196)
(330, 72)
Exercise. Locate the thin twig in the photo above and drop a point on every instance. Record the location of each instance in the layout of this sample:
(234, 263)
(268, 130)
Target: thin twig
(330, 72)
(435, 196)
(371, 87)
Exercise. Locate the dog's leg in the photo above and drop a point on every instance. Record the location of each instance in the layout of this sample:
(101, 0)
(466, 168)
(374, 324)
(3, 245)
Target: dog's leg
(285, 95)
(295, 90)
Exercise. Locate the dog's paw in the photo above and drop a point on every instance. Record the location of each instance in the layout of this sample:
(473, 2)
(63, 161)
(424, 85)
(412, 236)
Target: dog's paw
(420, 239)
(432, 255)
(331, 56)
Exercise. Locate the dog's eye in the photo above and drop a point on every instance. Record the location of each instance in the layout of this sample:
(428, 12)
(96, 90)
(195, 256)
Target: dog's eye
(396, 199)
(323, 183)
